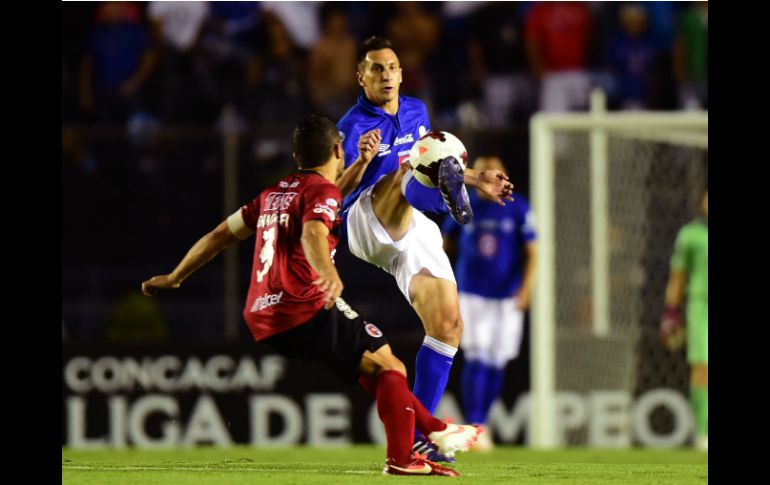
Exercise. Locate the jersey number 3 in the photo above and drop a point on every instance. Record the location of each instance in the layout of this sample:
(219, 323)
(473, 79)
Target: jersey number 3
(267, 253)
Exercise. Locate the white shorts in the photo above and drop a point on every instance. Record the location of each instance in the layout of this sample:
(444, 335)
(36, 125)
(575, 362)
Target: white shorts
(492, 329)
(421, 247)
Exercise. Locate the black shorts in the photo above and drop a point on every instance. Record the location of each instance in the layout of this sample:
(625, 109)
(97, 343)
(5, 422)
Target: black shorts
(337, 338)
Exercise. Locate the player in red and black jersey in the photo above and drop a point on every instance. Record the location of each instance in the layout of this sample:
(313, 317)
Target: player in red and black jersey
(294, 305)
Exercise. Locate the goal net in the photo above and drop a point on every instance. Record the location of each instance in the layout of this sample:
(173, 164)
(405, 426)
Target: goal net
(610, 191)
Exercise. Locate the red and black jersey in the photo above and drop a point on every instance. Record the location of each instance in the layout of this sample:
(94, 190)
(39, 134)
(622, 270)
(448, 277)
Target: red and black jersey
(281, 294)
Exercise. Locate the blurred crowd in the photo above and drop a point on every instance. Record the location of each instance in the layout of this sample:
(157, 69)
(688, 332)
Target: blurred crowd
(475, 64)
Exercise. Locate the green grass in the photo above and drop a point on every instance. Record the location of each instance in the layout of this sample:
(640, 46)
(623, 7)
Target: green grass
(363, 464)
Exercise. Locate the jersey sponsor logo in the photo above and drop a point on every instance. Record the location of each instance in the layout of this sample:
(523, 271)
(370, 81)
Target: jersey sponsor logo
(325, 209)
(372, 330)
(383, 150)
(265, 301)
(276, 201)
(331, 202)
(400, 140)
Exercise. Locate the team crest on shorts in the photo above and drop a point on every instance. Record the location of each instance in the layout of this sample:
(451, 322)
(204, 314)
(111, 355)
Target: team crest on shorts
(372, 330)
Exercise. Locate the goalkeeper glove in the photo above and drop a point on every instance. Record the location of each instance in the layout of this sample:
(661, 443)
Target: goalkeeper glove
(672, 332)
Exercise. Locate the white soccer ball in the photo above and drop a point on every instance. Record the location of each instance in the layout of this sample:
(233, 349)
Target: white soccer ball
(428, 152)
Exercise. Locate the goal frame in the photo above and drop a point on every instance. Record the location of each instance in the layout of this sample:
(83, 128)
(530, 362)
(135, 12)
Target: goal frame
(688, 128)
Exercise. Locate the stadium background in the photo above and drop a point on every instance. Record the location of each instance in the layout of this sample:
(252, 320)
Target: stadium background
(146, 143)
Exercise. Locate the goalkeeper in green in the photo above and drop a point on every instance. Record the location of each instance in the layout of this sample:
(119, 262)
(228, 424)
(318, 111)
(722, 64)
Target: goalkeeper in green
(690, 275)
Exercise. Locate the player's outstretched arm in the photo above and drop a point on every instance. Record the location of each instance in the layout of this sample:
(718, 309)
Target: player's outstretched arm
(368, 145)
(316, 246)
(201, 253)
(492, 182)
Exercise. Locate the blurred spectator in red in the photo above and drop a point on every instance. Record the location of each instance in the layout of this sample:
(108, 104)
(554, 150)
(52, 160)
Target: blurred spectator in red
(118, 62)
(332, 72)
(630, 55)
(414, 32)
(498, 60)
(691, 57)
(178, 27)
(558, 35)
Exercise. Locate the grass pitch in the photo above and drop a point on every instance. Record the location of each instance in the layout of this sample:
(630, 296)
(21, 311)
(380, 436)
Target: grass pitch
(363, 464)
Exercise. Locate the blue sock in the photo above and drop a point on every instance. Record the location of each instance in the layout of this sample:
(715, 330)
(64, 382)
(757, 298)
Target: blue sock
(473, 385)
(422, 198)
(431, 371)
(494, 382)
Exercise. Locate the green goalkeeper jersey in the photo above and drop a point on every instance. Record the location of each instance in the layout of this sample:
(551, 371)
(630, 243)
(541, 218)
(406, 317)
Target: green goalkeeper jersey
(691, 255)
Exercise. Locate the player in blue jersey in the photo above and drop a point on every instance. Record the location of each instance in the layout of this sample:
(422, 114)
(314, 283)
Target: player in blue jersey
(495, 270)
(383, 229)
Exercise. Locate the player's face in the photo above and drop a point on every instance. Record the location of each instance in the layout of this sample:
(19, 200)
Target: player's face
(380, 76)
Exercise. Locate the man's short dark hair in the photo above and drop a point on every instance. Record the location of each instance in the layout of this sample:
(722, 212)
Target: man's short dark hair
(373, 43)
(313, 140)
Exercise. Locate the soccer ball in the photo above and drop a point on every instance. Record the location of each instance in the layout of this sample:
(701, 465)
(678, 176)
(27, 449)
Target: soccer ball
(428, 152)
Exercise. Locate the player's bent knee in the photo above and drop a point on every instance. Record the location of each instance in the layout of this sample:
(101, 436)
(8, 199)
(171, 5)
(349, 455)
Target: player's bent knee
(447, 331)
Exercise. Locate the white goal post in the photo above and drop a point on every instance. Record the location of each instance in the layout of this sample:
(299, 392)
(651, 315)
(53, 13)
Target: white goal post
(595, 128)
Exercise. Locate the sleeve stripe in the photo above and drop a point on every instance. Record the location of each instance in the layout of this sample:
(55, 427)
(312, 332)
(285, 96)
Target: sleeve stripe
(238, 226)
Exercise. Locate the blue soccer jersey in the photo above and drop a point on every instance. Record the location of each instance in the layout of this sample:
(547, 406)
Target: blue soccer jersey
(490, 259)
(399, 132)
